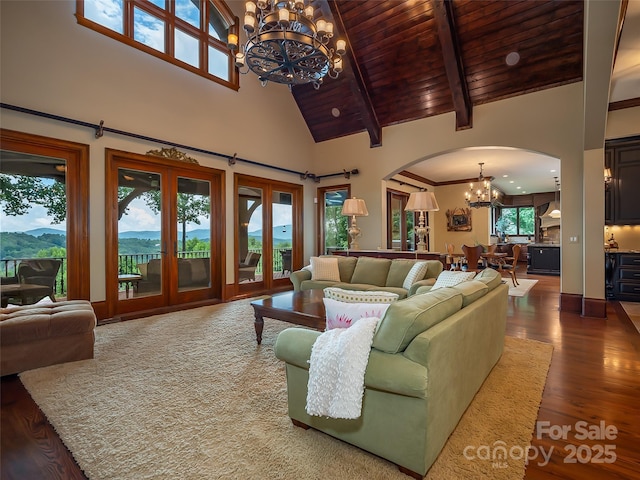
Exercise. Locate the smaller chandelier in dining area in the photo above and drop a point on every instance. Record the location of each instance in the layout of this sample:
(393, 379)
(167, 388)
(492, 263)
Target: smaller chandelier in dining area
(286, 45)
(482, 195)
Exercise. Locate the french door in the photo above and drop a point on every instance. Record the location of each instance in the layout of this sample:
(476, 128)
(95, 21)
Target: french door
(164, 233)
(268, 233)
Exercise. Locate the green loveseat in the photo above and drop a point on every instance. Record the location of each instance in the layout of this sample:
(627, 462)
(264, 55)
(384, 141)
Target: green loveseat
(431, 353)
(369, 273)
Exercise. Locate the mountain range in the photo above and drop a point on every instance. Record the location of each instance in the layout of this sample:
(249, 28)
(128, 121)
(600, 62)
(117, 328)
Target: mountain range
(280, 233)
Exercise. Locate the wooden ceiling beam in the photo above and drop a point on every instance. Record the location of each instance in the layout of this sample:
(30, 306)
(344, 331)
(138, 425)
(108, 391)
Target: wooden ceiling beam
(450, 45)
(357, 84)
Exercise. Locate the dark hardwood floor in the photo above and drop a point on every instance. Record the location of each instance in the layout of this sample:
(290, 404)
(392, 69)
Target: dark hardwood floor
(594, 378)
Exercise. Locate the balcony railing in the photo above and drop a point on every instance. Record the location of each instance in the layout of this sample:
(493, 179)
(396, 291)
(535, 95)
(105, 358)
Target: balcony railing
(9, 272)
(129, 264)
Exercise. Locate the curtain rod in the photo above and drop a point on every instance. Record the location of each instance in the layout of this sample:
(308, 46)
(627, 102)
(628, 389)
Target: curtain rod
(231, 159)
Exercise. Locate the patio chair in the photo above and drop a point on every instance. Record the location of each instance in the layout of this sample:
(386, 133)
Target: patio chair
(247, 269)
(286, 260)
(40, 271)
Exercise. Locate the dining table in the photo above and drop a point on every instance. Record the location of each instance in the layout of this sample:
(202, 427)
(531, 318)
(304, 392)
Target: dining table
(497, 258)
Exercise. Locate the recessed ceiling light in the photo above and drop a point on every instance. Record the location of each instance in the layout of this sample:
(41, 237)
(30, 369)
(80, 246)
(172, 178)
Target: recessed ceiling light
(505, 176)
(511, 181)
(512, 58)
(553, 170)
(518, 188)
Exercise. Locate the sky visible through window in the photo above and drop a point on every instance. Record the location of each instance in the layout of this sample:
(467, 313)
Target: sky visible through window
(150, 30)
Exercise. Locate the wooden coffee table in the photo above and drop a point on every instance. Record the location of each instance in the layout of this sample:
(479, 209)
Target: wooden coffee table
(301, 308)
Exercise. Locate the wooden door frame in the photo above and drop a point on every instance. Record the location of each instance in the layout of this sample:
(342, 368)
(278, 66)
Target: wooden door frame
(114, 159)
(76, 156)
(268, 186)
(320, 233)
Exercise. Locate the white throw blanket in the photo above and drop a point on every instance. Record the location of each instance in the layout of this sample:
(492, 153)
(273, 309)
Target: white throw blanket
(338, 361)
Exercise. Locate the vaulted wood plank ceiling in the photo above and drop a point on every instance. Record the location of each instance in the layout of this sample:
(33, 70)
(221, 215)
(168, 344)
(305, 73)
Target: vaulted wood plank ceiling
(408, 60)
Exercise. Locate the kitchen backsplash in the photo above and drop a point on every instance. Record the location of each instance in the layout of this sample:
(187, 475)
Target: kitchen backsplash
(627, 236)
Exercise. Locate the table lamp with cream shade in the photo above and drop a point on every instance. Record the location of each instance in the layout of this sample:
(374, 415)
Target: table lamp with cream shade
(354, 207)
(422, 202)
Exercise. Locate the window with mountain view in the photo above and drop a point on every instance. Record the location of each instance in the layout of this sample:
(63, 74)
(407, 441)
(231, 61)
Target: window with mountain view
(191, 34)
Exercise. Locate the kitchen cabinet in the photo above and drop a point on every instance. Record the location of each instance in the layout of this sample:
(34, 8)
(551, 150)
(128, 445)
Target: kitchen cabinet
(622, 275)
(622, 195)
(544, 259)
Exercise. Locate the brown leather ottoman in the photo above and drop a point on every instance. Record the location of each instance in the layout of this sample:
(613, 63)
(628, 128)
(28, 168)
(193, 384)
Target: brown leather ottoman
(34, 336)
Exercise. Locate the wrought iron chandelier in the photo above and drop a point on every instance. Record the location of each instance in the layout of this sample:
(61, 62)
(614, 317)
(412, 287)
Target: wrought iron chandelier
(483, 196)
(285, 45)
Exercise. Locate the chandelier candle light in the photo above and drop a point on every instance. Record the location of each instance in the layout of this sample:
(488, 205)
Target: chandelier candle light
(422, 202)
(354, 207)
(484, 196)
(285, 44)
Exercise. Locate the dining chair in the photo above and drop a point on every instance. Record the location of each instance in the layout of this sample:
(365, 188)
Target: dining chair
(472, 256)
(511, 264)
(489, 262)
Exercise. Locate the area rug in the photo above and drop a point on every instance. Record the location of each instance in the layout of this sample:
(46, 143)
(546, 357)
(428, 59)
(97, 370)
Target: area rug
(522, 289)
(191, 395)
(632, 309)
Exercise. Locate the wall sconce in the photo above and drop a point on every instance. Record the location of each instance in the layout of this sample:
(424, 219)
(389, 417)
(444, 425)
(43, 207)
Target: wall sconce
(607, 178)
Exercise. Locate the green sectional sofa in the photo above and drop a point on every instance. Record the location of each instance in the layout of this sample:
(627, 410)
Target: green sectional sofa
(368, 273)
(431, 353)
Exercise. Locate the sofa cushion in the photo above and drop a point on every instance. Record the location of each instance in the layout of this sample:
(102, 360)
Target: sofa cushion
(489, 277)
(450, 278)
(343, 314)
(415, 274)
(325, 268)
(355, 296)
(371, 271)
(346, 265)
(401, 292)
(471, 291)
(407, 318)
(398, 271)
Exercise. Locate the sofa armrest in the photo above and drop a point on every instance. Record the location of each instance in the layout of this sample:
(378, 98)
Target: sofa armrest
(298, 277)
(293, 346)
(385, 371)
(427, 282)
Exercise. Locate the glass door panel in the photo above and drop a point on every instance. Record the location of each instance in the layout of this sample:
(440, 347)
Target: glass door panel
(139, 235)
(335, 224)
(193, 244)
(33, 226)
(282, 233)
(250, 234)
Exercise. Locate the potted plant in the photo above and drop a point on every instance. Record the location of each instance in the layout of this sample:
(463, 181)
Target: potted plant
(502, 225)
